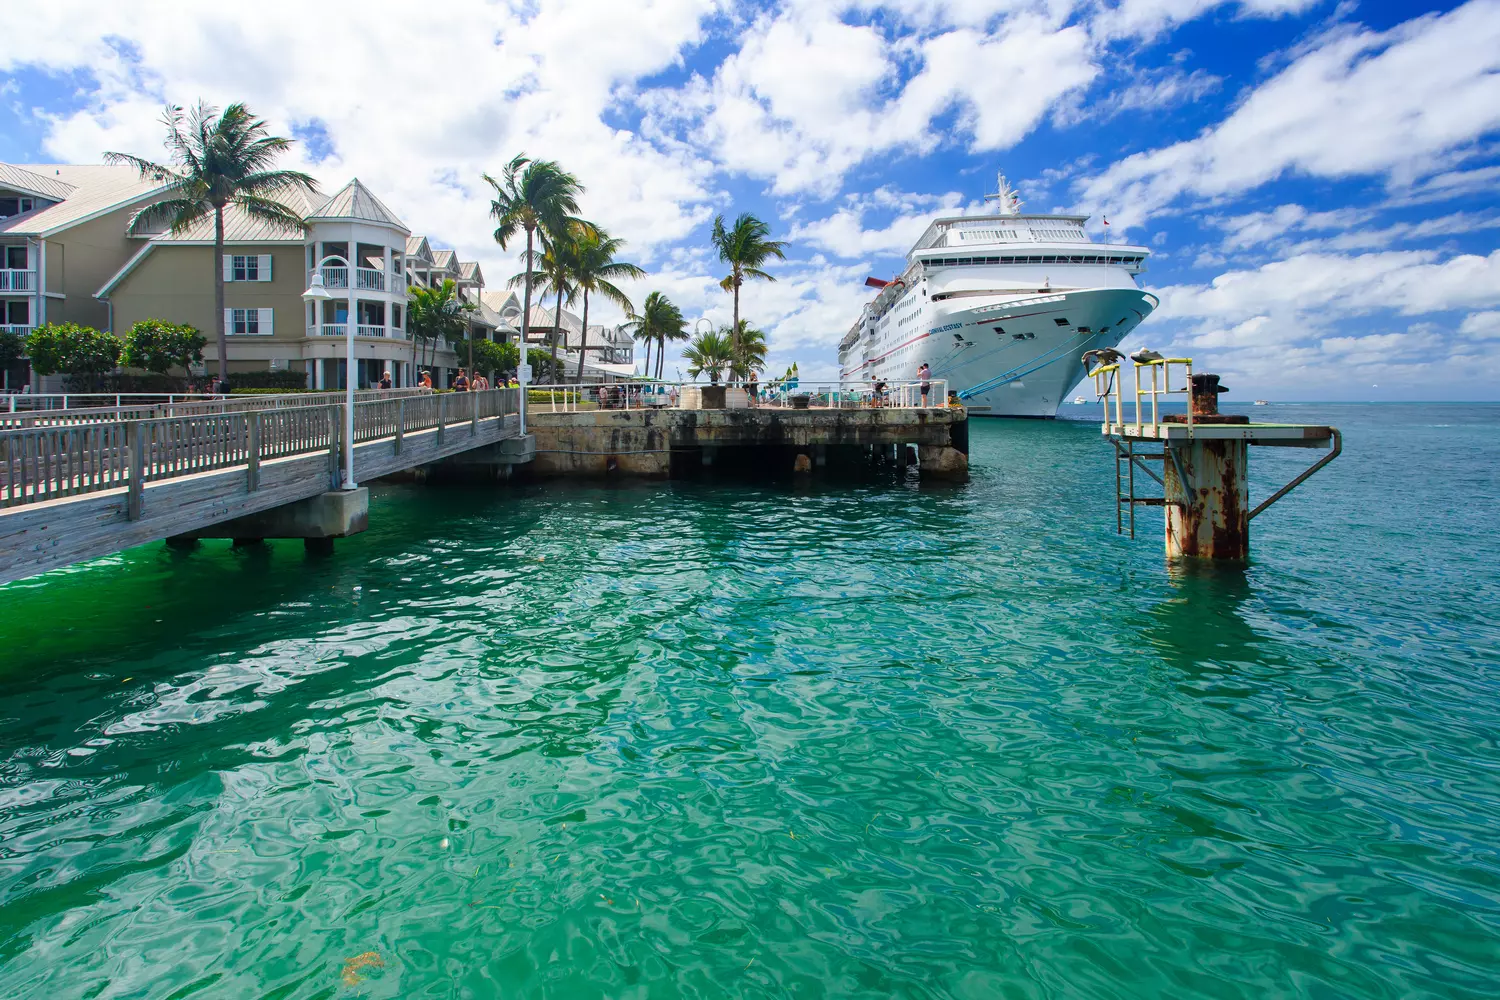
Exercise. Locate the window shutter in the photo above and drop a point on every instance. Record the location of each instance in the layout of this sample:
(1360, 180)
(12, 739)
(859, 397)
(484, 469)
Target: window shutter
(228, 267)
(229, 322)
(265, 267)
(266, 329)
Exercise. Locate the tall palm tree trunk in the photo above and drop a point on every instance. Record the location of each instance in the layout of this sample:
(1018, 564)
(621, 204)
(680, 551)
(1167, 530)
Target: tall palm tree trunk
(661, 354)
(219, 323)
(647, 369)
(734, 331)
(583, 345)
(557, 333)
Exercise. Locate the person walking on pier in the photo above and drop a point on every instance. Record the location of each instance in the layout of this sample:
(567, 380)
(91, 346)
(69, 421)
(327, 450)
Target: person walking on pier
(385, 380)
(925, 375)
(461, 384)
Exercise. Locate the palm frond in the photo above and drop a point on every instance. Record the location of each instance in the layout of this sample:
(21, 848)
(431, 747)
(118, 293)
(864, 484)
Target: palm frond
(177, 214)
(154, 172)
(270, 210)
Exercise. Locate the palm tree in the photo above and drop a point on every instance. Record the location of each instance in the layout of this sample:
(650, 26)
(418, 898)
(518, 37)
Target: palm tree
(710, 353)
(555, 273)
(744, 248)
(650, 324)
(218, 161)
(594, 270)
(673, 332)
(749, 351)
(540, 198)
(657, 320)
(436, 313)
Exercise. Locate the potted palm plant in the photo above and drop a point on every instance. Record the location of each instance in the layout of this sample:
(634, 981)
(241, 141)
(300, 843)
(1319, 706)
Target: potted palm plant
(710, 353)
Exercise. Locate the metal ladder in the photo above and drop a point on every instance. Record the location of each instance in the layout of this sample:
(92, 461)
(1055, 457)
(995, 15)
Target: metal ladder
(1127, 459)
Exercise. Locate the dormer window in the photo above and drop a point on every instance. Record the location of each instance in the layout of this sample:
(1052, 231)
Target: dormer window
(15, 206)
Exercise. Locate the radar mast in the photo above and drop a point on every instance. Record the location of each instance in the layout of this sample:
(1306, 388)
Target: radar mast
(1010, 201)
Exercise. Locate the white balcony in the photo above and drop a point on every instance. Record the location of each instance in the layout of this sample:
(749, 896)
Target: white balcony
(24, 331)
(333, 277)
(369, 279)
(334, 330)
(17, 281)
(369, 331)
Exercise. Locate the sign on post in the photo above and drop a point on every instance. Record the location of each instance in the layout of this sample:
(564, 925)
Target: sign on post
(523, 373)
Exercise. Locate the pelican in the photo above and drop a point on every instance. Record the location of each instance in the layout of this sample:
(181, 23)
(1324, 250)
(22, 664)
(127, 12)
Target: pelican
(1144, 355)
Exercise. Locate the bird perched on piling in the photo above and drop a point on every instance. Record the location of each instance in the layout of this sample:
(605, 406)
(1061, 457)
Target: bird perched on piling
(1103, 355)
(1144, 355)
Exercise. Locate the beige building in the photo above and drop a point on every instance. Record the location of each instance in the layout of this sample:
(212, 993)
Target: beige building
(62, 234)
(368, 260)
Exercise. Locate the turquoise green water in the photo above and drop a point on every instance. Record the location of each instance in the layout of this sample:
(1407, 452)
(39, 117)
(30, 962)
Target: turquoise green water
(695, 740)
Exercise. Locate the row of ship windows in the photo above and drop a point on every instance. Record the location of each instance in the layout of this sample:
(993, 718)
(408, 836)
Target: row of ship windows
(1033, 259)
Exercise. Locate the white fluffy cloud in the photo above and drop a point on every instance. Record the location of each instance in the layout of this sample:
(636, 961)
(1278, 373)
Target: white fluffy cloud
(808, 95)
(417, 107)
(1404, 104)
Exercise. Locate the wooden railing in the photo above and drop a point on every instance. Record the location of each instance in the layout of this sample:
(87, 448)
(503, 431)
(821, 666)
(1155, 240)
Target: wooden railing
(146, 409)
(49, 462)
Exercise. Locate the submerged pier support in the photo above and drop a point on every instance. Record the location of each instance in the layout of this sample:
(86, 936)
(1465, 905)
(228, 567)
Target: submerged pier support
(317, 520)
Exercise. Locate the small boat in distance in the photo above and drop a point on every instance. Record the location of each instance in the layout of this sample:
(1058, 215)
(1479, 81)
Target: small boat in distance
(1262, 402)
(1079, 401)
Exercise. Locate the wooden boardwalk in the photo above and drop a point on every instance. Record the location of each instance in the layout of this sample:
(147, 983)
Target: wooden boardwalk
(78, 486)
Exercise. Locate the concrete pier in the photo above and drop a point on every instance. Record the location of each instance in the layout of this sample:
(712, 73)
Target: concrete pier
(670, 443)
(335, 514)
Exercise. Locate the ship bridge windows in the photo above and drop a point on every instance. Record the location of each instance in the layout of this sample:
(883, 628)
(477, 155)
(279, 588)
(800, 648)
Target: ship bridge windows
(1125, 260)
(1061, 321)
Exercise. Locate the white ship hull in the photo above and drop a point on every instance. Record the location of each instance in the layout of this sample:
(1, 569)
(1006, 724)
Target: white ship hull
(1011, 349)
(1002, 307)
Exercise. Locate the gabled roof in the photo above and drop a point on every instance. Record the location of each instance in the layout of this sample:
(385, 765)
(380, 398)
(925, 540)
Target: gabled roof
(447, 260)
(417, 246)
(28, 182)
(358, 203)
(506, 304)
(468, 270)
(242, 227)
(93, 189)
(541, 319)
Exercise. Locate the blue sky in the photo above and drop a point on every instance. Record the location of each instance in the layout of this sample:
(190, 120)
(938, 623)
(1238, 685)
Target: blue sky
(1317, 180)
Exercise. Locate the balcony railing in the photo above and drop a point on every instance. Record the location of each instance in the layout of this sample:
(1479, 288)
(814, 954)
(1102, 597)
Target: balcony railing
(17, 281)
(16, 328)
(369, 331)
(334, 330)
(333, 277)
(366, 279)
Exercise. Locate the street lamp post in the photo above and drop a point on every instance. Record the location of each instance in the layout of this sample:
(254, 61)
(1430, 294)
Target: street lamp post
(316, 293)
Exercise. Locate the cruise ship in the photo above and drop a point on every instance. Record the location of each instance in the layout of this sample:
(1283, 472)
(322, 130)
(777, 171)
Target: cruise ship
(1001, 306)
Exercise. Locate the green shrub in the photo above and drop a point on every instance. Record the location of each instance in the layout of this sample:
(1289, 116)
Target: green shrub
(159, 346)
(269, 379)
(126, 382)
(271, 391)
(72, 350)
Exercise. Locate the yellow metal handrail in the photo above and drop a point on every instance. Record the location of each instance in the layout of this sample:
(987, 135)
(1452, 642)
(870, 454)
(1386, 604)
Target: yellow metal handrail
(1107, 385)
(1162, 386)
